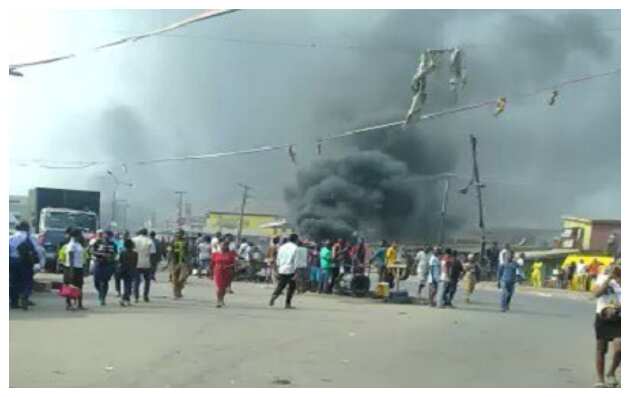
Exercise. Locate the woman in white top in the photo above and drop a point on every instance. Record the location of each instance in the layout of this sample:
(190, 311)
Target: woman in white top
(73, 270)
(607, 290)
(204, 249)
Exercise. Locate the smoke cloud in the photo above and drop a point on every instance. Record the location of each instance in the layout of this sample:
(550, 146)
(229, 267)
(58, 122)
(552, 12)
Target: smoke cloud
(336, 198)
(244, 81)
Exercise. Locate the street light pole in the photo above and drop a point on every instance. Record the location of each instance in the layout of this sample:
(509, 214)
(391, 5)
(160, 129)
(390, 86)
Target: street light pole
(114, 204)
(443, 211)
(180, 205)
(117, 183)
(240, 221)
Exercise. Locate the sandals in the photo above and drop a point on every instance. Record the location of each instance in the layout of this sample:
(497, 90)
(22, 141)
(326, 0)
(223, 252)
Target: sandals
(599, 385)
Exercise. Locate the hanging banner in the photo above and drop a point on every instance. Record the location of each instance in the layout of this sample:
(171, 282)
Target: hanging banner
(13, 68)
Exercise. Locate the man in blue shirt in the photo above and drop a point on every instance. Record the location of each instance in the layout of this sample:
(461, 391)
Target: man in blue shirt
(378, 258)
(24, 253)
(507, 281)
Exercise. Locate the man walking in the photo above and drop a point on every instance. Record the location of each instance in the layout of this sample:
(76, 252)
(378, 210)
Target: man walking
(503, 257)
(179, 264)
(455, 274)
(422, 268)
(286, 265)
(104, 252)
(145, 248)
(445, 277)
(507, 281)
(156, 255)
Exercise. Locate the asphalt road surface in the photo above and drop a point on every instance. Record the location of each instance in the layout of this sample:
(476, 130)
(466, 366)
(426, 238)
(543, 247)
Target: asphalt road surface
(328, 341)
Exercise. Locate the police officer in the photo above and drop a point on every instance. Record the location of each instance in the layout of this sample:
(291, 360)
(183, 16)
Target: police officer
(24, 254)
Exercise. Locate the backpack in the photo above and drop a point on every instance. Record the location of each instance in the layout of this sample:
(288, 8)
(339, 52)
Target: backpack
(28, 253)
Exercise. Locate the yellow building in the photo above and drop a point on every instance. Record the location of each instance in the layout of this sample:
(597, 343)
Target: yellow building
(253, 224)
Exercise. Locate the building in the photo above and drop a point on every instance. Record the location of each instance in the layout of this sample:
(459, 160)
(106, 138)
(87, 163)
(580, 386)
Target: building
(591, 234)
(255, 225)
(18, 206)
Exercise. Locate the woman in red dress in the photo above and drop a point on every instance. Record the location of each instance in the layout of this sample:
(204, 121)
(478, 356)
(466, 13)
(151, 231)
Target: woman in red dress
(223, 262)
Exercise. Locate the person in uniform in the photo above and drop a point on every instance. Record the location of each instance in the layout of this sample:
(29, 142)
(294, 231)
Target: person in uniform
(179, 263)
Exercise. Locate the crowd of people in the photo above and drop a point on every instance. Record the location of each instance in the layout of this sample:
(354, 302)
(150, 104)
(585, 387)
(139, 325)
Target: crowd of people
(295, 264)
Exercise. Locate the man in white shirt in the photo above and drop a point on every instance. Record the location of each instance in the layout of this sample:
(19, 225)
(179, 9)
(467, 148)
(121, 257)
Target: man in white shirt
(422, 267)
(301, 266)
(286, 264)
(503, 257)
(144, 247)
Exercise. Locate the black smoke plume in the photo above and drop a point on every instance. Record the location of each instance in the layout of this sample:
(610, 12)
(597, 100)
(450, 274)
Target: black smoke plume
(335, 198)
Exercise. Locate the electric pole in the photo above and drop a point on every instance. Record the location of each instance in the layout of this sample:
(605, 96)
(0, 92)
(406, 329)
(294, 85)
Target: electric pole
(246, 189)
(478, 186)
(180, 208)
(443, 210)
(117, 183)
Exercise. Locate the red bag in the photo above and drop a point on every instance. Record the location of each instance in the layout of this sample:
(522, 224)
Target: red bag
(69, 291)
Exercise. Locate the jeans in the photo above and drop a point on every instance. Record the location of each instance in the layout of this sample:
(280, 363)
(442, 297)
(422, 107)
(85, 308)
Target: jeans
(142, 275)
(333, 278)
(452, 288)
(127, 278)
(433, 290)
(324, 278)
(445, 293)
(102, 275)
(313, 276)
(507, 290)
(117, 279)
(283, 281)
(16, 281)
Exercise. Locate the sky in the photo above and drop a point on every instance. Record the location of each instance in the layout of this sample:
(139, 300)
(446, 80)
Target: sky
(273, 77)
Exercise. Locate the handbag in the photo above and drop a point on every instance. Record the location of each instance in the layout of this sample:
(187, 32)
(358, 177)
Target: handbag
(69, 291)
(611, 314)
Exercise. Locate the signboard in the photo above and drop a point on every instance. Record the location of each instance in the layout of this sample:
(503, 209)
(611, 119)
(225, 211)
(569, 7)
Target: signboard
(227, 222)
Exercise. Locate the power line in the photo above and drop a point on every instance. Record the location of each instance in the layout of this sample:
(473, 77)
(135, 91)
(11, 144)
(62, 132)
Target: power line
(13, 68)
(357, 131)
(317, 44)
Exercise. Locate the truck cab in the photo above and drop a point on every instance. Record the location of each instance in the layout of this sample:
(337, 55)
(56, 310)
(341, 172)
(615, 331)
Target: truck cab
(53, 223)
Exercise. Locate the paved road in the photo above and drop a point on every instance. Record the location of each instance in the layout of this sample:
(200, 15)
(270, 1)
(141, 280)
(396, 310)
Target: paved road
(329, 341)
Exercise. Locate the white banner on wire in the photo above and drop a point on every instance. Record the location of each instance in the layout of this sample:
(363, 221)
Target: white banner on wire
(13, 68)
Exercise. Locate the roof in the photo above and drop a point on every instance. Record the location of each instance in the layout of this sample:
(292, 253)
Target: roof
(238, 213)
(592, 221)
(274, 224)
(551, 253)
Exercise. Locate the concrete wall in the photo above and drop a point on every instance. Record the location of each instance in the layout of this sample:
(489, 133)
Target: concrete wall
(600, 234)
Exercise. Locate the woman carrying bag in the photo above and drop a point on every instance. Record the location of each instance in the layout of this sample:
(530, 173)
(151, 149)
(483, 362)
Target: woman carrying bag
(72, 289)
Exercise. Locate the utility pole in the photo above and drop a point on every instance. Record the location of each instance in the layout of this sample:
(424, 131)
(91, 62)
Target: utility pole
(180, 208)
(240, 221)
(478, 186)
(117, 183)
(443, 211)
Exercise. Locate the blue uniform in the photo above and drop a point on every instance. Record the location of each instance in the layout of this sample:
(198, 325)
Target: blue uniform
(21, 274)
(508, 274)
